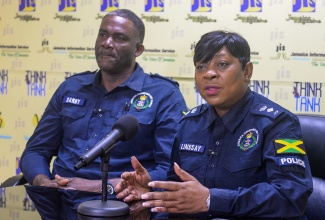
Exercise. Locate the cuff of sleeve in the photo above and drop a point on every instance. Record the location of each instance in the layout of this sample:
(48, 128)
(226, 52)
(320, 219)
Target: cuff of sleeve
(221, 201)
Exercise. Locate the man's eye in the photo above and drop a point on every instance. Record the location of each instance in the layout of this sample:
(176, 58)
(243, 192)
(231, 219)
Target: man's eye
(120, 38)
(102, 35)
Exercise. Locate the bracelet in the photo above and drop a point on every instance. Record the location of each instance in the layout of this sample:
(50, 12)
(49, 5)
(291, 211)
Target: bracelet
(208, 201)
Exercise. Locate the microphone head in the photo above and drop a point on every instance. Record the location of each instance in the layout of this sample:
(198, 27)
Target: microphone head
(128, 125)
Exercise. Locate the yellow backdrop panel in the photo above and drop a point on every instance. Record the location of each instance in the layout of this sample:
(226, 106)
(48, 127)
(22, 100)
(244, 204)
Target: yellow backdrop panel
(43, 42)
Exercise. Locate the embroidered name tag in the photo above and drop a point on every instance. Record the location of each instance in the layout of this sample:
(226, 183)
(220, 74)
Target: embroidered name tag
(192, 147)
(75, 101)
(285, 161)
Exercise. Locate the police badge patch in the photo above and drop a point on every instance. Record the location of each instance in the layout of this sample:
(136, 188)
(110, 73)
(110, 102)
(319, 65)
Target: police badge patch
(142, 101)
(248, 140)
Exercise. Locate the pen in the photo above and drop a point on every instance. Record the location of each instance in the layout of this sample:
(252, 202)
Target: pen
(126, 107)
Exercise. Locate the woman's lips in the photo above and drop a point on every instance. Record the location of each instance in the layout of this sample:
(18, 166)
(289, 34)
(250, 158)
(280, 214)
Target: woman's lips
(211, 90)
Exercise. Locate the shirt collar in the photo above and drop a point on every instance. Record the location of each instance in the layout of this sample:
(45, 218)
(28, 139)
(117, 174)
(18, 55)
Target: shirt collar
(235, 115)
(135, 81)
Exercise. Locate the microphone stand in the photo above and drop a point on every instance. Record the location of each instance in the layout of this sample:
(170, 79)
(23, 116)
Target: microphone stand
(103, 209)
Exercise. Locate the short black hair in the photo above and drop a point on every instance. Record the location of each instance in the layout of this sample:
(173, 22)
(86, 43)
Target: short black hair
(131, 16)
(212, 42)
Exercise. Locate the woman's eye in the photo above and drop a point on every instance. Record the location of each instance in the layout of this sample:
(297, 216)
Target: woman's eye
(222, 65)
(200, 67)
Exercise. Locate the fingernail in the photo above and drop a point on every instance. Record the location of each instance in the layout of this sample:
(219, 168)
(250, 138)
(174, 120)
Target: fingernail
(151, 184)
(176, 164)
(144, 196)
(145, 204)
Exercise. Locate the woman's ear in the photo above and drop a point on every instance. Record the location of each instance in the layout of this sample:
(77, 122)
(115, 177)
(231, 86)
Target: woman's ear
(248, 71)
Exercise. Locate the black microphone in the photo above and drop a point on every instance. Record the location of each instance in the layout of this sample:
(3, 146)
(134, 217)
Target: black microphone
(123, 130)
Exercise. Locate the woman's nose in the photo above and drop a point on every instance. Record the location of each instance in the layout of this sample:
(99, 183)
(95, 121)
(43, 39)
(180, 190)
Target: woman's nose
(210, 74)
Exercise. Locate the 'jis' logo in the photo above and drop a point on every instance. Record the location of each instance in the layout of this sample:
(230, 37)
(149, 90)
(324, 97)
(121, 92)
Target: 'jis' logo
(251, 6)
(304, 6)
(109, 5)
(67, 5)
(201, 6)
(27, 5)
(154, 6)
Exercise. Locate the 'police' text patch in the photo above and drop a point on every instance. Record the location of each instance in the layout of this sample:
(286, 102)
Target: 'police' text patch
(293, 160)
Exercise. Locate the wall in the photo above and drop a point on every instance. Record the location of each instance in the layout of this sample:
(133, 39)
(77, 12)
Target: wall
(43, 42)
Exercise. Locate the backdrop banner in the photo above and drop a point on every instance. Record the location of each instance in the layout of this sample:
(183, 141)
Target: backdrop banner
(43, 42)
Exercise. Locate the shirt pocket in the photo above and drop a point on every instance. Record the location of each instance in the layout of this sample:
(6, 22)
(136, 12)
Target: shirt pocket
(74, 122)
(192, 163)
(243, 172)
(144, 117)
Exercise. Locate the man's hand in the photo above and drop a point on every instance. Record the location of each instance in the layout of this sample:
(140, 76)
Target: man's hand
(180, 197)
(43, 180)
(134, 183)
(80, 184)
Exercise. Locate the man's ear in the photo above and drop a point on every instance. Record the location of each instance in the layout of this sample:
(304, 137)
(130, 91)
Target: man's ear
(139, 50)
(248, 71)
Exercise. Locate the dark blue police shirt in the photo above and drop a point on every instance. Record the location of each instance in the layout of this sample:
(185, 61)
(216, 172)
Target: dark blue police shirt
(81, 113)
(252, 159)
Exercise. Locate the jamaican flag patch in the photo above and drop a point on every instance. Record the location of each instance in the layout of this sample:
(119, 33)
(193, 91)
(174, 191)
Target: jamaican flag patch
(289, 146)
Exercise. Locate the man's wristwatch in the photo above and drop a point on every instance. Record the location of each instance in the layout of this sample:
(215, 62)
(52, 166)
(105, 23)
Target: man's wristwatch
(110, 188)
(208, 201)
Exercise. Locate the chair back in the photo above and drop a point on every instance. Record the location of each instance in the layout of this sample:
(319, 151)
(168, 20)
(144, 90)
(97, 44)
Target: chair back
(313, 134)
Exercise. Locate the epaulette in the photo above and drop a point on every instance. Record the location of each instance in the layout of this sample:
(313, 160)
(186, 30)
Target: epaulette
(269, 110)
(164, 78)
(197, 110)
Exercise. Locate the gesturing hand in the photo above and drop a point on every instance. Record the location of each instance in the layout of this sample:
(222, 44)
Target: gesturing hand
(179, 197)
(134, 184)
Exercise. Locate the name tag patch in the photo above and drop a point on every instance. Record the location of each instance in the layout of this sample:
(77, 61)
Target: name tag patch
(74, 101)
(191, 147)
(285, 161)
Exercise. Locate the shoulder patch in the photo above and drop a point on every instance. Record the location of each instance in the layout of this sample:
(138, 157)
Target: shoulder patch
(289, 147)
(165, 78)
(197, 110)
(267, 110)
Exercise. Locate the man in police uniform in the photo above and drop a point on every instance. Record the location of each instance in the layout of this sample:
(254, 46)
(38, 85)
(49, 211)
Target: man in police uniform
(238, 155)
(83, 110)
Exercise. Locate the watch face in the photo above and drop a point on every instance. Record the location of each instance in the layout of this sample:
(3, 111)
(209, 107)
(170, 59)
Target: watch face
(110, 189)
